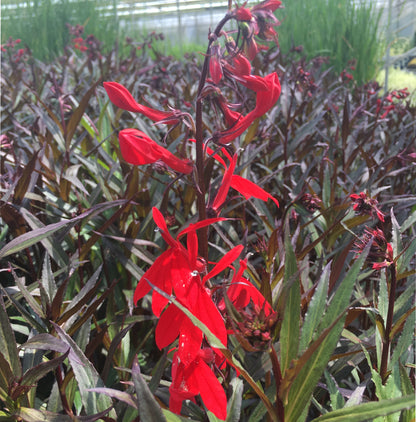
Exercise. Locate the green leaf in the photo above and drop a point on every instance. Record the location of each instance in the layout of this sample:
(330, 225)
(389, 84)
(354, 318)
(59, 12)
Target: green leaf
(77, 115)
(37, 235)
(35, 415)
(172, 417)
(301, 389)
(35, 323)
(405, 340)
(215, 342)
(6, 375)
(48, 280)
(337, 401)
(31, 301)
(86, 376)
(45, 341)
(8, 342)
(407, 389)
(33, 375)
(24, 181)
(289, 334)
(235, 401)
(149, 409)
(368, 411)
(116, 394)
(314, 313)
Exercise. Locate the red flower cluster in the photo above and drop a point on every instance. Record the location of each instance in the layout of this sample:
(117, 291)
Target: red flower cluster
(388, 104)
(363, 204)
(178, 271)
(257, 21)
(381, 251)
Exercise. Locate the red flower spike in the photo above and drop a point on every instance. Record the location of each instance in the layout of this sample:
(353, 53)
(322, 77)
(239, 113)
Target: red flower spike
(121, 97)
(249, 189)
(138, 149)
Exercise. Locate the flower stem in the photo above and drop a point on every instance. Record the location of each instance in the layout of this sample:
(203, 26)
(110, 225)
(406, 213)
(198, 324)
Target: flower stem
(385, 353)
(199, 135)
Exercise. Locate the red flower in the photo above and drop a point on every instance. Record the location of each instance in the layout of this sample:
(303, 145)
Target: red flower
(121, 97)
(257, 318)
(241, 292)
(177, 271)
(138, 149)
(268, 91)
(242, 13)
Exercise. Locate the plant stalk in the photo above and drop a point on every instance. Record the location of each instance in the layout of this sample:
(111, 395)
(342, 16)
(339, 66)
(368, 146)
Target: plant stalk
(385, 353)
(199, 137)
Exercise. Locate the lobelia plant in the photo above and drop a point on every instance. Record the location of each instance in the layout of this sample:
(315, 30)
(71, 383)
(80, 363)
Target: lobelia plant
(318, 321)
(185, 271)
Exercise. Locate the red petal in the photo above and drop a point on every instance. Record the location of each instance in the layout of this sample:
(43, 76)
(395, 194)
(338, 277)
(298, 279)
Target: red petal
(175, 163)
(241, 292)
(168, 326)
(121, 97)
(190, 341)
(225, 185)
(192, 245)
(204, 309)
(224, 262)
(156, 275)
(210, 389)
(199, 225)
(249, 189)
(137, 148)
(161, 223)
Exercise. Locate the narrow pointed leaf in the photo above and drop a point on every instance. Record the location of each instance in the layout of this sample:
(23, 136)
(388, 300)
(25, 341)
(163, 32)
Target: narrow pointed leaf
(314, 312)
(37, 235)
(302, 387)
(33, 375)
(8, 341)
(77, 115)
(289, 334)
(86, 375)
(34, 415)
(116, 394)
(368, 411)
(149, 409)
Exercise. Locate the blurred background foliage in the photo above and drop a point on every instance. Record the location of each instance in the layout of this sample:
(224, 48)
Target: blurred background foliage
(344, 31)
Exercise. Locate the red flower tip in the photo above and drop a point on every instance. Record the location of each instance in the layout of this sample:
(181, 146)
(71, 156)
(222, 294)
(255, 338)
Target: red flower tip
(243, 14)
(120, 96)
